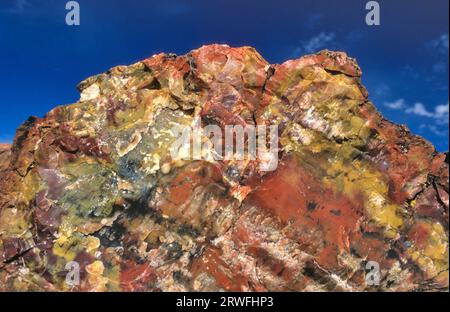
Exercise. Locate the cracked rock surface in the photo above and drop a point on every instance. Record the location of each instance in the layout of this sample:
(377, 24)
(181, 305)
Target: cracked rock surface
(94, 182)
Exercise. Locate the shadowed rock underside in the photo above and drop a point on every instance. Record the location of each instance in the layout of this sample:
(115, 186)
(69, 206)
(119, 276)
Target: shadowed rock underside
(94, 182)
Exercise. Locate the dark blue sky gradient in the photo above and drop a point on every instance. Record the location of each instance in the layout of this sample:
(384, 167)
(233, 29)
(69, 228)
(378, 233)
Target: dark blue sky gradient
(404, 60)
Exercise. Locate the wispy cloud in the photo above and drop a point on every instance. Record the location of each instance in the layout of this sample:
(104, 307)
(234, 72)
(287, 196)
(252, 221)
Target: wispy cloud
(410, 71)
(440, 113)
(17, 7)
(439, 50)
(382, 90)
(432, 121)
(440, 44)
(434, 129)
(419, 110)
(354, 36)
(436, 66)
(398, 104)
(316, 43)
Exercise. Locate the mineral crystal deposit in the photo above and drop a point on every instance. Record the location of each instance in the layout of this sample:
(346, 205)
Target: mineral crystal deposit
(93, 186)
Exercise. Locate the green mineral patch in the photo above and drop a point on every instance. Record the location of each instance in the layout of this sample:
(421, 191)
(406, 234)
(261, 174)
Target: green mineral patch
(92, 192)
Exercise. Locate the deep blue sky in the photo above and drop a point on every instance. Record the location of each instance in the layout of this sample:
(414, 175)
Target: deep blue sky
(404, 60)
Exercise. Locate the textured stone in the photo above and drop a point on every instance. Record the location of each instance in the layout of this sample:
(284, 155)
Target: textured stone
(94, 182)
(5, 154)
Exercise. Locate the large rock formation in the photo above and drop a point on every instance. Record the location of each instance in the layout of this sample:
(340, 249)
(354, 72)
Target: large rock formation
(94, 183)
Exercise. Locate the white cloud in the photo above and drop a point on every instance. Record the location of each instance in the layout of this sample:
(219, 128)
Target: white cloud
(440, 44)
(442, 110)
(319, 42)
(382, 90)
(439, 50)
(316, 43)
(433, 121)
(434, 129)
(419, 110)
(411, 72)
(440, 113)
(398, 104)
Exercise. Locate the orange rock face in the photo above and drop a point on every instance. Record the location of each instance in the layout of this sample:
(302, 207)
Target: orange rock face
(92, 196)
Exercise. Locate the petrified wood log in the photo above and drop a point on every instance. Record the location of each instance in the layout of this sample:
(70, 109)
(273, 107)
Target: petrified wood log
(93, 185)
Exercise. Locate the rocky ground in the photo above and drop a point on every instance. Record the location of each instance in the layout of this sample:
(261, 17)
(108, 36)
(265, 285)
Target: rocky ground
(94, 182)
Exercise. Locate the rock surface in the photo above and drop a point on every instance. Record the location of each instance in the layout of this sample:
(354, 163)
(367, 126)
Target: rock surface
(5, 154)
(94, 182)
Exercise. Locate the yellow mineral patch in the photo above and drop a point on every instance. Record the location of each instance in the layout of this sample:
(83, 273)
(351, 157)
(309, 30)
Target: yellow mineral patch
(165, 168)
(437, 247)
(68, 246)
(29, 187)
(92, 244)
(356, 178)
(434, 257)
(13, 222)
(95, 278)
(95, 268)
(351, 178)
(124, 149)
(65, 247)
(151, 163)
(112, 274)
